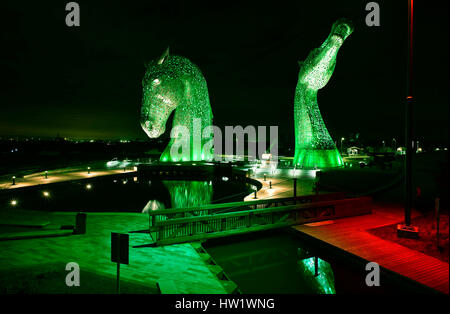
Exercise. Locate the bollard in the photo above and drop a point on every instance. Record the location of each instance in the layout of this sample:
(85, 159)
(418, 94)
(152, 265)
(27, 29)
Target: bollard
(89, 170)
(316, 266)
(13, 180)
(255, 195)
(46, 174)
(295, 187)
(80, 224)
(264, 177)
(270, 184)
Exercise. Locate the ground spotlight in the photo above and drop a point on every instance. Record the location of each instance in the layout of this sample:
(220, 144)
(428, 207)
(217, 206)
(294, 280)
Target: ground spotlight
(88, 186)
(46, 194)
(13, 202)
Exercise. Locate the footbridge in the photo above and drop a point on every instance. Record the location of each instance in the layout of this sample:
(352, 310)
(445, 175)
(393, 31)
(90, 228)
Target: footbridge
(170, 226)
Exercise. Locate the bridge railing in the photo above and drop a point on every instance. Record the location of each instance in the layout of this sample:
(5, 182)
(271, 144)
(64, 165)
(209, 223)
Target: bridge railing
(178, 230)
(212, 209)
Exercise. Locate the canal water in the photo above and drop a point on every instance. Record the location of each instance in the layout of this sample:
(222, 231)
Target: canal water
(271, 262)
(283, 262)
(124, 193)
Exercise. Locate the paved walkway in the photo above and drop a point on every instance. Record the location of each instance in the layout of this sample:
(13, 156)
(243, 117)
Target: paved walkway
(92, 251)
(350, 235)
(57, 176)
(283, 185)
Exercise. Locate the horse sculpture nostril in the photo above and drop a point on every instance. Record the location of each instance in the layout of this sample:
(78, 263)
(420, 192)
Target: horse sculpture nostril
(180, 87)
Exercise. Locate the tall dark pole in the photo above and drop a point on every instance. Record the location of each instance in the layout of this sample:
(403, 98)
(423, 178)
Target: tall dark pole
(409, 118)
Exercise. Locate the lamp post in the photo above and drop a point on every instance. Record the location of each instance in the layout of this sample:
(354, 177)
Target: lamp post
(13, 180)
(89, 170)
(342, 139)
(407, 230)
(46, 174)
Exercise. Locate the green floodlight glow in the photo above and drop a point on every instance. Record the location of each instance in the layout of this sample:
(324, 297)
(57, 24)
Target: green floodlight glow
(324, 282)
(175, 83)
(186, 194)
(314, 147)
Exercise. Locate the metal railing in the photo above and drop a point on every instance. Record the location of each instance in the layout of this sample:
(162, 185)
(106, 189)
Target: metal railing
(184, 229)
(214, 209)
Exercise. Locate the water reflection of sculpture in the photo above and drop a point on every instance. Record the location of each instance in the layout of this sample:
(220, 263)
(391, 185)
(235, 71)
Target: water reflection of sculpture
(175, 83)
(314, 147)
(323, 283)
(185, 194)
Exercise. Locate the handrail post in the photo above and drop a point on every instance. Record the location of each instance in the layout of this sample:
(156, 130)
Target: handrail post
(295, 191)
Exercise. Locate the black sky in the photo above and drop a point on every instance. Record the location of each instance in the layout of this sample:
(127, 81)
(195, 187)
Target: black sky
(85, 82)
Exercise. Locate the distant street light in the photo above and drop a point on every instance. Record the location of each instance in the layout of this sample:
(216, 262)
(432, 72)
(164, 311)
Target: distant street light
(256, 190)
(342, 139)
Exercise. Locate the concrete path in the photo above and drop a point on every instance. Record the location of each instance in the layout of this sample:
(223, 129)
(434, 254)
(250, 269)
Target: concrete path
(283, 185)
(57, 176)
(92, 251)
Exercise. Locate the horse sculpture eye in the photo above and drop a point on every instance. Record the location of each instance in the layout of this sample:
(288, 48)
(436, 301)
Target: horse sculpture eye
(186, 92)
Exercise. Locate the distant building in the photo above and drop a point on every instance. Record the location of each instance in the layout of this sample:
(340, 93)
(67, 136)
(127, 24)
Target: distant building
(352, 151)
(401, 151)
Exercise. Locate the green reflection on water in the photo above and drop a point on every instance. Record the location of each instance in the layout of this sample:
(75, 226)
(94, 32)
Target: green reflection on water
(184, 194)
(323, 283)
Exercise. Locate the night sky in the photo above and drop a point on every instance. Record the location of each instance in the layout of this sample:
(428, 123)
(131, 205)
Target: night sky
(85, 82)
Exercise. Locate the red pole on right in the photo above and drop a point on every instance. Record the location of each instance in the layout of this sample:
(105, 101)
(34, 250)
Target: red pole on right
(407, 230)
(408, 124)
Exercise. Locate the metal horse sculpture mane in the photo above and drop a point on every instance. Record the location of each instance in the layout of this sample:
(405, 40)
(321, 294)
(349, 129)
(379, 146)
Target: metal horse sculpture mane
(175, 83)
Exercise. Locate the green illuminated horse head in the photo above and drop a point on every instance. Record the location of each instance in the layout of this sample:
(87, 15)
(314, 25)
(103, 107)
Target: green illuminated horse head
(314, 147)
(318, 67)
(173, 83)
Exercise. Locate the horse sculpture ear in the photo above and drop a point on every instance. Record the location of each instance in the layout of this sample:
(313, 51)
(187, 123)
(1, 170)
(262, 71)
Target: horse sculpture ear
(164, 56)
